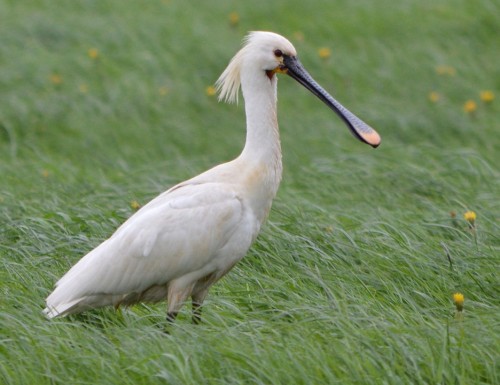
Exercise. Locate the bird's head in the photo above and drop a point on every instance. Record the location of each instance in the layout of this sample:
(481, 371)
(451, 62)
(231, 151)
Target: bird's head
(274, 54)
(268, 51)
(264, 51)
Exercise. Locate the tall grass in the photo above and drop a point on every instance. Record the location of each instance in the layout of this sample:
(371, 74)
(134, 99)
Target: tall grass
(351, 281)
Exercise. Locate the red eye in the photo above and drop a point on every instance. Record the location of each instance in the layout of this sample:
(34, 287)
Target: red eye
(278, 53)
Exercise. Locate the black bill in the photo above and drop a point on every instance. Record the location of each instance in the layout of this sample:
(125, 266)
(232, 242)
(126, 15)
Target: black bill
(360, 129)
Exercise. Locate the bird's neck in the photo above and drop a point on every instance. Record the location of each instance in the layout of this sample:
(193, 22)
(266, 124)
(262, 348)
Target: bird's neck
(262, 144)
(259, 164)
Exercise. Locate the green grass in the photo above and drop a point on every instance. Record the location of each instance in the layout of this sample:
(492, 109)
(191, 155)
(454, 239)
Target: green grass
(352, 278)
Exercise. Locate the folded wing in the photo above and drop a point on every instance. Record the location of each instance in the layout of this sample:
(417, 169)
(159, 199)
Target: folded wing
(180, 232)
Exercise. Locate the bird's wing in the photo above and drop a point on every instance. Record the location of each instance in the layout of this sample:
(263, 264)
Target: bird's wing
(178, 232)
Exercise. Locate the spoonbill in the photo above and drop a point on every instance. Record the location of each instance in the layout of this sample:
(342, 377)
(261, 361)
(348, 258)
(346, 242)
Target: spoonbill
(183, 241)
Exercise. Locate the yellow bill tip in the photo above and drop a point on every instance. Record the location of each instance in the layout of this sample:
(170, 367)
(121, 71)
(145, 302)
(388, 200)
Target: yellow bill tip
(372, 138)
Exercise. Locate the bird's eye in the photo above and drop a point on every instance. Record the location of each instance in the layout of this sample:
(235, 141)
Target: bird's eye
(278, 53)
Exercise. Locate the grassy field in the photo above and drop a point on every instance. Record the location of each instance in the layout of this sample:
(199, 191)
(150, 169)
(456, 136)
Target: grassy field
(105, 103)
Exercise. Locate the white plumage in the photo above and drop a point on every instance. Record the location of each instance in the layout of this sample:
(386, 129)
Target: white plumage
(183, 241)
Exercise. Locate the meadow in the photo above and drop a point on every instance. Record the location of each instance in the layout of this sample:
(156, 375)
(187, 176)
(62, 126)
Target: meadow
(103, 105)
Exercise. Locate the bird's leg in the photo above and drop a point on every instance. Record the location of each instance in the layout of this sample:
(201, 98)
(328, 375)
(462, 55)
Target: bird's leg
(196, 313)
(200, 291)
(171, 316)
(177, 295)
(198, 298)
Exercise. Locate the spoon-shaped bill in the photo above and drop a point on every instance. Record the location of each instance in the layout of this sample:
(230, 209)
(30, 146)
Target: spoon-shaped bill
(360, 129)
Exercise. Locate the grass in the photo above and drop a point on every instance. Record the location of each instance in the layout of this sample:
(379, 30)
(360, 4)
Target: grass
(350, 282)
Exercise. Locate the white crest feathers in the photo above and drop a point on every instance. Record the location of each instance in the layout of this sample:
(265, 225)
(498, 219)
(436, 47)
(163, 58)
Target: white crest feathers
(228, 84)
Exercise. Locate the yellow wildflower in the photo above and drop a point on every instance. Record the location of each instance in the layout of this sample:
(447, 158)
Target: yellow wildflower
(470, 216)
(163, 91)
(134, 205)
(45, 173)
(210, 91)
(324, 53)
(93, 53)
(458, 300)
(470, 106)
(446, 70)
(434, 96)
(234, 18)
(487, 96)
(56, 78)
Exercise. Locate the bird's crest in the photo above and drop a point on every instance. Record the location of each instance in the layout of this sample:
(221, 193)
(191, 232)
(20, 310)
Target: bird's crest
(229, 82)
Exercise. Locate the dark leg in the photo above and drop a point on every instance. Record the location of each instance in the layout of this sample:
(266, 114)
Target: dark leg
(198, 297)
(171, 317)
(199, 293)
(196, 313)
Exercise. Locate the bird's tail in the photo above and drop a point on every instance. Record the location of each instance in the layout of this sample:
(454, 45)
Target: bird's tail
(62, 309)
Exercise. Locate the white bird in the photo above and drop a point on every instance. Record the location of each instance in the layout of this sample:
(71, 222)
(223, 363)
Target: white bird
(187, 238)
